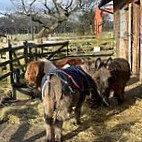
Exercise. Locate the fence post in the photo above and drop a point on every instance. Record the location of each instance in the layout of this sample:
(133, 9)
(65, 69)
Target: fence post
(67, 49)
(42, 48)
(26, 51)
(35, 52)
(11, 70)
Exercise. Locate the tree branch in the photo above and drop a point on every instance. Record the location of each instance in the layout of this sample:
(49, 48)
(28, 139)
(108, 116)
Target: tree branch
(6, 14)
(32, 3)
(69, 4)
(45, 5)
(23, 6)
(52, 15)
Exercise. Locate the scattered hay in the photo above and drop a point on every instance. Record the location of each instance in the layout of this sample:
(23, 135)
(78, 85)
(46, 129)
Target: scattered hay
(13, 119)
(4, 94)
(113, 124)
(21, 113)
(40, 109)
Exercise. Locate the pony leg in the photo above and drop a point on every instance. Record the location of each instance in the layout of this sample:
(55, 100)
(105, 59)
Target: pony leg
(122, 93)
(48, 116)
(78, 109)
(119, 100)
(119, 95)
(105, 99)
(58, 130)
(49, 129)
(77, 115)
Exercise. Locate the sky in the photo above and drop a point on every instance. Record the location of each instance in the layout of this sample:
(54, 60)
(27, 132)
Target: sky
(5, 5)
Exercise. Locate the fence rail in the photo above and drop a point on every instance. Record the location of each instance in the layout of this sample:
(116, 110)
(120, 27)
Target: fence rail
(28, 52)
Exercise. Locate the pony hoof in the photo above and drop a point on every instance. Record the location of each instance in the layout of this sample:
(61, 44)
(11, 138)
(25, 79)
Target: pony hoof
(49, 141)
(61, 140)
(77, 123)
(120, 102)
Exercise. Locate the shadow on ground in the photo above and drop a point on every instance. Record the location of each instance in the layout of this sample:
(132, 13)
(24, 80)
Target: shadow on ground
(102, 115)
(96, 120)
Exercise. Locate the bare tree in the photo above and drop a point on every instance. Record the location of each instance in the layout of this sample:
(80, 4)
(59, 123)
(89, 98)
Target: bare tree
(51, 13)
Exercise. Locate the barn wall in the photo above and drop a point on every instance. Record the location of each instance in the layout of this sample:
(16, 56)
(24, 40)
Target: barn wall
(123, 40)
(128, 32)
(141, 40)
(128, 40)
(117, 30)
(136, 32)
(121, 32)
(130, 18)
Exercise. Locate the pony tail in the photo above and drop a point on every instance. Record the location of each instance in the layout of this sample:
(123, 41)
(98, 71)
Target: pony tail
(46, 86)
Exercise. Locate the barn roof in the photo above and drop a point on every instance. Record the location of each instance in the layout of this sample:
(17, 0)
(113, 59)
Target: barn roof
(103, 2)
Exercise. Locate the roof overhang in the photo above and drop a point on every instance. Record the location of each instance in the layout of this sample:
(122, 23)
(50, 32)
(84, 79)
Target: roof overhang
(103, 2)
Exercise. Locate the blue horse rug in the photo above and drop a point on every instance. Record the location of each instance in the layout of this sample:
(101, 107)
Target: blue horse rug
(72, 78)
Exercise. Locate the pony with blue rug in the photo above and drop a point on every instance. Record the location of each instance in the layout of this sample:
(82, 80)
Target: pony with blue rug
(62, 89)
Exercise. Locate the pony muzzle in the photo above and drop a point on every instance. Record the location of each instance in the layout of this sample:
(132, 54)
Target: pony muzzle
(32, 85)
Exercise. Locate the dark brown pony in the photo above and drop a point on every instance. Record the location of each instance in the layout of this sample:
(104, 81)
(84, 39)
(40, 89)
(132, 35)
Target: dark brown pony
(112, 75)
(72, 61)
(57, 103)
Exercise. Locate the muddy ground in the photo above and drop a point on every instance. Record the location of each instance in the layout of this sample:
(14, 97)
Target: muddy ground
(23, 121)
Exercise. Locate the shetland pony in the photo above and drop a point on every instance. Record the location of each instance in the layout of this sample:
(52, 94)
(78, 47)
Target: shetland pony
(70, 61)
(112, 75)
(57, 102)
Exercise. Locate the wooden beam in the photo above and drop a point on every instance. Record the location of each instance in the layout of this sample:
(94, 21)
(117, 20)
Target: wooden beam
(117, 31)
(130, 35)
(141, 40)
(136, 32)
(123, 38)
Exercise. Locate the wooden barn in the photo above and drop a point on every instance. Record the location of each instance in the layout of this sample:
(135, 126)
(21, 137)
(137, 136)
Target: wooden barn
(128, 31)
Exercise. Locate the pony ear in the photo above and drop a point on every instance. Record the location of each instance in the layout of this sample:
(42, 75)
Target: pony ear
(85, 60)
(98, 63)
(108, 62)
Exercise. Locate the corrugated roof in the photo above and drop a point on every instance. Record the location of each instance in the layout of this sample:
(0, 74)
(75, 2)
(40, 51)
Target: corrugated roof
(103, 2)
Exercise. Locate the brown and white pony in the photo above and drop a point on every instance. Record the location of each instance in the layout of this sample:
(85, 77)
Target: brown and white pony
(57, 104)
(36, 70)
(70, 61)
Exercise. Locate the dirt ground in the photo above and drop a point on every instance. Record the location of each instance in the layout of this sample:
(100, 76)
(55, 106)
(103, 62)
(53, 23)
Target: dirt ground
(123, 123)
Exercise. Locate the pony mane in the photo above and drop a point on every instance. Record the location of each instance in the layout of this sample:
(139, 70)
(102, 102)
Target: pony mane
(48, 65)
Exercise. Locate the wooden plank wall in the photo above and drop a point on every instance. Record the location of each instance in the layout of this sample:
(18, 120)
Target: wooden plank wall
(121, 32)
(130, 34)
(141, 40)
(124, 38)
(117, 30)
(136, 32)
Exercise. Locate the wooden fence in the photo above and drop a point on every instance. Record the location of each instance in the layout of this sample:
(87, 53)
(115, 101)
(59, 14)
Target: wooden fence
(17, 58)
